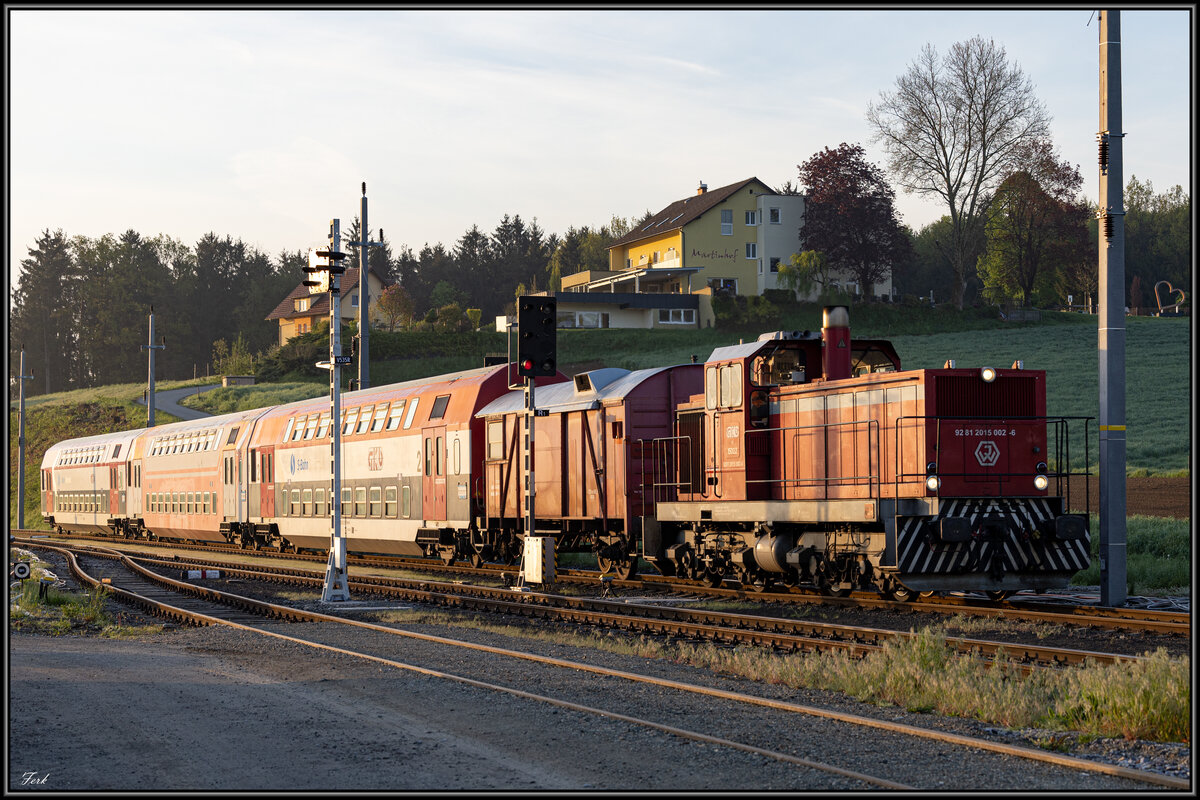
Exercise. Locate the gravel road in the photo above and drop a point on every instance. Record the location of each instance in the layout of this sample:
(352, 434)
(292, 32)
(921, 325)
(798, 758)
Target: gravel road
(221, 709)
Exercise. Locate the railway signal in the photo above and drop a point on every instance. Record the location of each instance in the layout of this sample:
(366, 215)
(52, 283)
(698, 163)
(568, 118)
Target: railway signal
(537, 340)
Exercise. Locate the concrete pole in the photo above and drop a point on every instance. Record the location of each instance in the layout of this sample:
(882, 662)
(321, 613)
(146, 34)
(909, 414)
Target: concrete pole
(151, 347)
(1112, 318)
(364, 300)
(21, 378)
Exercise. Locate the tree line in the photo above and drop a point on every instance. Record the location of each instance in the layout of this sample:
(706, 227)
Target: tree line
(1017, 231)
(81, 305)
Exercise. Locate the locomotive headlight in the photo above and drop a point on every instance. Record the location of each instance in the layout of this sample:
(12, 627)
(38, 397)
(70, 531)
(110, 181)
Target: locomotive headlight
(932, 483)
(1040, 482)
(988, 374)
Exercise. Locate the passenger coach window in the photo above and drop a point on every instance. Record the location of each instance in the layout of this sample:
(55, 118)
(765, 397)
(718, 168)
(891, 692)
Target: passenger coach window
(364, 421)
(412, 412)
(323, 427)
(394, 417)
(360, 501)
(389, 501)
(351, 418)
(376, 501)
(311, 427)
(439, 407)
(380, 418)
(232, 436)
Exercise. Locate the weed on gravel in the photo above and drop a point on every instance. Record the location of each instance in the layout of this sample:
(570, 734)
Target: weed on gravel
(1149, 699)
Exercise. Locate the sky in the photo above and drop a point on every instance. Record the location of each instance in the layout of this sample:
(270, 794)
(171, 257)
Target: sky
(262, 124)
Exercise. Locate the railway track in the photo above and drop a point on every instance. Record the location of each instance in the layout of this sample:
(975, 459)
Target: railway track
(777, 633)
(1029, 608)
(157, 593)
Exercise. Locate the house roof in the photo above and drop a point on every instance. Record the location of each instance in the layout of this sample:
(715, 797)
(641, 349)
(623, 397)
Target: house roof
(681, 212)
(320, 301)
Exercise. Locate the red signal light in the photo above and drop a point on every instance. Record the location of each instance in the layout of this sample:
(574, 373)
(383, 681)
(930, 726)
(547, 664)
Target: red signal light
(527, 364)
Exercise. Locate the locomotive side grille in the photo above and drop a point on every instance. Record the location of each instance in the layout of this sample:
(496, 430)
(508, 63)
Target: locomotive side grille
(968, 396)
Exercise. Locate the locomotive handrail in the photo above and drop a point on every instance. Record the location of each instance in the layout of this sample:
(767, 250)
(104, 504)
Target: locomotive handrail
(1062, 451)
(873, 479)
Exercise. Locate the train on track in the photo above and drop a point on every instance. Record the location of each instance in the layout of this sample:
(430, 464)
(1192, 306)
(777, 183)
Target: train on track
(802, 458)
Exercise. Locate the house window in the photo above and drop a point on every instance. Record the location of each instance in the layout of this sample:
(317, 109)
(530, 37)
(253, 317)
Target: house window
(677, 316)
(727, 222)
(590, 319)
(751, 249)
(773, 216)
(303, 303)
(751, 217)
(774, 265)
(354, 299)
(723, 285)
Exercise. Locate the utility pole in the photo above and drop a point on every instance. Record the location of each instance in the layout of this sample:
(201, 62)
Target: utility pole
(150, 393)
(21, 378)
(325, 273)
(1112, 318)
(364, 296)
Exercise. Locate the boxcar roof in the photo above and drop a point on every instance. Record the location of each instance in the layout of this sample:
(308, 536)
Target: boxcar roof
(610, 383)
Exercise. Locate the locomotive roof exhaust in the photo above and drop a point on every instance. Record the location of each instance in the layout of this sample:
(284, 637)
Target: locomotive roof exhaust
(835, 333)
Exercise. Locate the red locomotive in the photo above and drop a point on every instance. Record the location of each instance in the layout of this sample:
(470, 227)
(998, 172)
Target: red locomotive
(801, 458)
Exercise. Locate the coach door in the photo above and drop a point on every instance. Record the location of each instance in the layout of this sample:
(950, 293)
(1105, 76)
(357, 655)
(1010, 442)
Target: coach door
(433, 491)
(115, 504)
(267, 481)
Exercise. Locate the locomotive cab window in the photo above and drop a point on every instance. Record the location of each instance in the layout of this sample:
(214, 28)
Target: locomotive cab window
(780, 368)
(870, 360)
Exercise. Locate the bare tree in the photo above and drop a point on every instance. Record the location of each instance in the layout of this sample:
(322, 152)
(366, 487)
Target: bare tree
(951, 129)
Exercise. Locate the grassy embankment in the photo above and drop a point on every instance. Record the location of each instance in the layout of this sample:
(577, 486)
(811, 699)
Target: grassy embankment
(58, 613)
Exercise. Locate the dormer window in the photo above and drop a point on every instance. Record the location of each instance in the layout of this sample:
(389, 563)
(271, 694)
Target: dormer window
(303, 303)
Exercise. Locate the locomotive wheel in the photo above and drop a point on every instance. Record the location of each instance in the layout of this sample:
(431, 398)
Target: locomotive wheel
(754, 579)
(897, 591)
(475, 559)
(713, 578)
(624, 569)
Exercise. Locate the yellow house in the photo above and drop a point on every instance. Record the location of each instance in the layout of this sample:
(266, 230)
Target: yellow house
(304, 307)
(730, 239)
